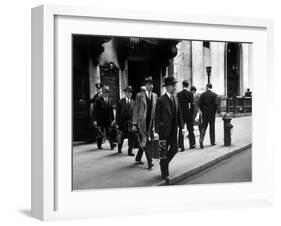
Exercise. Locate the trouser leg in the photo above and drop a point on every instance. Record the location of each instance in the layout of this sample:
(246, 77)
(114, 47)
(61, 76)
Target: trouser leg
(203, 128)
(212, 130)
(108, 135)
(191, 136)
(99, 139)
(121, 143)
(148, 156)
(181, 139)
(139, 155)
(99, 142)
(164, 163)
(130, 142)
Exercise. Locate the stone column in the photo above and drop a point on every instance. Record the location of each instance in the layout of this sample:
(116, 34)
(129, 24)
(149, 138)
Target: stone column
(199, 78)
(217, 62)
(250, 67)
(182, 63)
(123, 79)
(94, 77)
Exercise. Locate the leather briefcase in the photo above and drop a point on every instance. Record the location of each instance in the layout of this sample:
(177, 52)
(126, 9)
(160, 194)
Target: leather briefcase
(157, 148)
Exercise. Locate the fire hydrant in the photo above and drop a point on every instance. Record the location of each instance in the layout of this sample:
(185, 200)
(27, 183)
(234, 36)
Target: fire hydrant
(227, 128)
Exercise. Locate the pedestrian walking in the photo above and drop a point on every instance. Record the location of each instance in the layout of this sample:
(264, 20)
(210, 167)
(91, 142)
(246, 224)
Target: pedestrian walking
(168, 120)
(144, 118)
(208, 106)
(124, 120)
(93, 107)
(186, 103)
(103, 116)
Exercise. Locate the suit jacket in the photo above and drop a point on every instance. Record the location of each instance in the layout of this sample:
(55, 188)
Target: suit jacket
(208, 102)
(94, 99)
(124, 114)
(164, 126)
(139, 116)
(186, 103)
(103, 112)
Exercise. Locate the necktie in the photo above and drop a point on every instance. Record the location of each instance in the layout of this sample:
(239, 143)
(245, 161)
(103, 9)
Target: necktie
(173, 103)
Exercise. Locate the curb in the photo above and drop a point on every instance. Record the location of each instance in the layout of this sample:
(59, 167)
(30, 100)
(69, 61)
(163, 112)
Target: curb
(184, 175)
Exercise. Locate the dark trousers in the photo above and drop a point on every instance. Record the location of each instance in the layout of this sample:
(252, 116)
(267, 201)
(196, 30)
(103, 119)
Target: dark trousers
(208, 119)
(107, 131)
(147, 154)
(191, 137)
(164, 163)
(130, 138)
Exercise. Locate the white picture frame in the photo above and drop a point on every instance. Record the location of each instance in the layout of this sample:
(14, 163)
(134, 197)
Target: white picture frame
(52, 198)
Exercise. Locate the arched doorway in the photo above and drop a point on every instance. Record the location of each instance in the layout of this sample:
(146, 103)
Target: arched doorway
(233, 69)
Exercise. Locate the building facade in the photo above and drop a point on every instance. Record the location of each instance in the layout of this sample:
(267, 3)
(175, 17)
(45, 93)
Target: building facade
(121, 61)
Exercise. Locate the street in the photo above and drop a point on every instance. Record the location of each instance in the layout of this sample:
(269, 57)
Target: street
(234, 169)
(98, 169)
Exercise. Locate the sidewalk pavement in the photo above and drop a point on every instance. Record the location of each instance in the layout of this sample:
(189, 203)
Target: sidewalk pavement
(97, 169)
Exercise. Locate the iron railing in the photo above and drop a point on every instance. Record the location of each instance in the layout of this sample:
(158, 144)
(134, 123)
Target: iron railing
(235, 105)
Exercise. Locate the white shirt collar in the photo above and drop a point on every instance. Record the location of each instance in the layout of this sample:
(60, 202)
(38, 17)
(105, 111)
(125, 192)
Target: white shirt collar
(147, 93)
(168, 94)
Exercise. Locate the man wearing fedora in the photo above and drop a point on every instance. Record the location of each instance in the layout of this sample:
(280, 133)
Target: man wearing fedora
(124, 116)
(103, 116)
(143, 119)
(185, 98)
(168, 120)
(98, 94)
(93, 103)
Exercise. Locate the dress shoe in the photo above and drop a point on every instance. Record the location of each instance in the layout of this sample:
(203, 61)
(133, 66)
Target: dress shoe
(182, 150)
(201, 145)
(131, 154)
(140, 162)
(192, 147)
(167, 180)
(100, 147)
(213, 144)
(119, 150)
(112, 146)
(150, 165)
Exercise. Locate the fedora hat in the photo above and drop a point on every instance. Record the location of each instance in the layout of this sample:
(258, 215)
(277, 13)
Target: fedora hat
(193, 88)
(105, 88)
(128, 89)
(170, 81)
(148, 80)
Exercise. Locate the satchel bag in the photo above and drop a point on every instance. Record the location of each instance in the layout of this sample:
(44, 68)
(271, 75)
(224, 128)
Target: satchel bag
(158, 149)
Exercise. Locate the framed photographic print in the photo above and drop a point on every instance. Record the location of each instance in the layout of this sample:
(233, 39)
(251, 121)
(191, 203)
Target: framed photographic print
(135, 112)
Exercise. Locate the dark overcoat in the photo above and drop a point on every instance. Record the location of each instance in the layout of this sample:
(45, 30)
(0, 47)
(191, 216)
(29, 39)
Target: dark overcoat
(164, 125)
(124, 114)
(103, 113)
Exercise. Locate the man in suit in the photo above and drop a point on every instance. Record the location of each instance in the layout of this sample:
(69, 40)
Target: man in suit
(185, 98)
(143, 119)
(168, 119)
(98, 94)
(208, 106)
(103, 116)
(124, 117)
(93, 105)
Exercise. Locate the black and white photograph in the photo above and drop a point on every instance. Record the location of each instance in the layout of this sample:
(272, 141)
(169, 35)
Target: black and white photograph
(159, 112)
